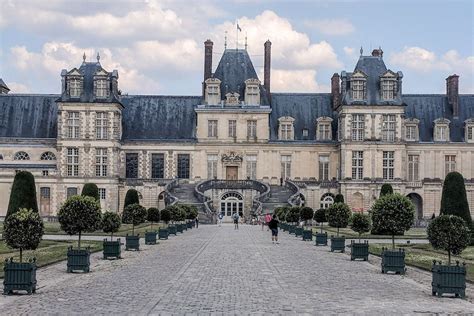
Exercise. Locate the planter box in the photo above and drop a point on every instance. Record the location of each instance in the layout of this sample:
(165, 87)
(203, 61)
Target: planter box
(150, 238)
(163, 233)
(393, 261)
(19, 276)
(284, 226)
(193, 223)
(189, 225)
(132, 242)
(172, 229)
(112, 249)
(321, 239)
(185, 226)
(291, 229)
(449, 279)
(179, 228)
(360, 250)
(298, 231)
(307, 235)
(78, 259)
(338, 244)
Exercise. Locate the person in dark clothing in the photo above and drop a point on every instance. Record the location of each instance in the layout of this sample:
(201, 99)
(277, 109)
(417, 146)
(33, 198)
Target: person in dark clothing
(197, 222)
(273, 225)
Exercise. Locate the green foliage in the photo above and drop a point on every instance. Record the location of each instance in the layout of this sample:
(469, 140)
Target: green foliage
(91, 189)
(293, 214)
(338, 215)
(165, 215)
(134, 214)
(360, 223)
(191, 211)
(153, 215)
(449, 233)
(79, 214)
(320, 215)
(111, 222)
(339, 198)
(23, 193)
(131, 198)
(177, 213)
(454, 199)
(386, 189)
(392, 214)
(306, 213)
(281, 212)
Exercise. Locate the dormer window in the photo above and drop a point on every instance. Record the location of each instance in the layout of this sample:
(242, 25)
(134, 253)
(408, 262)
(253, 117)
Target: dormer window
(411, 130)
(101, 90)
(469, 130)
(286, 129)
(441, 130)
(252, 92)
(324, 130)
(358, 85)
(388, 85)
(75, 87)
(213, 91)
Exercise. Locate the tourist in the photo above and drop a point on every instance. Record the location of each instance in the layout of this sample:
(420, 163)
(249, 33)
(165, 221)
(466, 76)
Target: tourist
(268, 218)
(219, 219)
(273, 225)
(197, 222)
(236, 220)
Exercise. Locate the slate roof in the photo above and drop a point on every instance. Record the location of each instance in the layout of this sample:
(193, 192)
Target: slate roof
(3, 84)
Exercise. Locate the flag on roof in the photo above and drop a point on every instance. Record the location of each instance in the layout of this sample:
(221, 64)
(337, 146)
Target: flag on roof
(238, 28)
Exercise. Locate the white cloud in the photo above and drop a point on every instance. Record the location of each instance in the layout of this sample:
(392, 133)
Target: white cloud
(296, 81)
(18, 88)
(331, 26)
(349, 51)
(317, 55)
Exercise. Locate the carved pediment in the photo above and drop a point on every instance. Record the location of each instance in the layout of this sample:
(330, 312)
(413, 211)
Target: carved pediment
(74, 72)
(231, 158)
(232, 98)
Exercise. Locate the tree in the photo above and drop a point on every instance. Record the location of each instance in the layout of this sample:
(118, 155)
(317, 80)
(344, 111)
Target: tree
(449, 233)
(176, 213)
(131, 198)
(23, 230)
(153, 215)
(91, 189)
(191, 212)
(165, 215)
(23, 193)
(386, 189)
(392, 215)
(80, 214)
(454, 199)
(293, 214)
(320, 216)
(281, 212)
(339, 198)
(134, 214)
(360, 223)
(111, 223)
(306, 213)
(338, 215)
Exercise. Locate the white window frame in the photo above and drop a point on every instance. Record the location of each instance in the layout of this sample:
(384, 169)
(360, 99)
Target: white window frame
(251, 167)
(326, 201)
(212, 166)
(324, 168)
(358, 127)
(21, 155)
(72, 161)
(449, 164)
(73, 125)
(232, 128)
(102, 194)
(357, 165)
(101, 88)
(75, 87)
(285, 167)
(251, 129)
(212, 126)
(358, 89)
(101, 128)
(47, 155)
(388, 165)
(389, 127)
(413, 167)
(101, 161)
(388, 89)
(286, 131)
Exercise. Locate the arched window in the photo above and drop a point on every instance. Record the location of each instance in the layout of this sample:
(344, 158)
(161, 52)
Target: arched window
(48, 156)
(21, 155)
(231, 202)
(327, 200)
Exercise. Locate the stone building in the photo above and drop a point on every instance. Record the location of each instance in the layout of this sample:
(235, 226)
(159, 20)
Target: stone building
(238, 147)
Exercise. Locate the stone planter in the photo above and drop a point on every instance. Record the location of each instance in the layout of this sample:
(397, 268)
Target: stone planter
(291, 229)
(179, 228)
(298, 231)
(321, 239)
(185, 226)
(163, 233)
(449, 279)
(19, 276)
(111, 249)
(189, 225)
(393, 261)
(132, 242)
(150, 238)
(284, 226)
(307, 235)
(338, 244)
(78, 259)
(359, 250)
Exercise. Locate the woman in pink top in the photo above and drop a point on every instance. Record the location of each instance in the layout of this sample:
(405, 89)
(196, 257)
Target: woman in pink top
(268, 218)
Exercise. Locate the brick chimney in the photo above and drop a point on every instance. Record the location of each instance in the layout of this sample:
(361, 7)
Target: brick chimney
(267, 66)
(207, 63)
(452, 92)
(378, 52)
(335, 91)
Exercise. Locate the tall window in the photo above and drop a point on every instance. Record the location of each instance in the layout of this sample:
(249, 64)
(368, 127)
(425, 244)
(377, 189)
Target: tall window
(324, 131)
(72, 161)
(449, 164)
(131, 165)
(442, 133)
(101, 90)
(157, 166)
(357, 165)
(101, 162)
(358, 90)
(102, 194)
(75, 87)
(251, 129)
(252, 167)
(212, 166)
(327, 200)
(232, 128)
(183, 166)
(323, 168)
(388, 128)
(73, 124)
(470, 132)
(212, 128)
(388, 89)
(413, 161)
(286, 131)
(410, 132)
(388, 165)
(101, 125)
(285, 167)
(358, 127)
(71, 192)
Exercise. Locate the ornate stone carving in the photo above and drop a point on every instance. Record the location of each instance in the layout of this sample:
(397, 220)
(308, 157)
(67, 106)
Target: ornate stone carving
(231, 158)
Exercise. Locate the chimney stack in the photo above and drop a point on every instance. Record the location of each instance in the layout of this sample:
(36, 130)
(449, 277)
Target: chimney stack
(378, 52)
(207, 63)
(452, 92)
(335, 91)
(267, 66)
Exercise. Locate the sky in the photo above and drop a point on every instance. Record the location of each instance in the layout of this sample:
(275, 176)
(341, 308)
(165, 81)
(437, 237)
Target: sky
(157, 46)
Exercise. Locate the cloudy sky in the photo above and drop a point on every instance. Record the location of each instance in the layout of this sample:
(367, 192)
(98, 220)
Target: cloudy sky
(157, 46)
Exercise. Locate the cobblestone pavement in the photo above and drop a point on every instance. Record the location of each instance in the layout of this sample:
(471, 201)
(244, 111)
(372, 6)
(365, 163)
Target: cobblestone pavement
(218, 270)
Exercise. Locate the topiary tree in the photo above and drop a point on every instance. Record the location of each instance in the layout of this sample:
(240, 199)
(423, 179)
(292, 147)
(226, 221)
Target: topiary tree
(191, 212)
(165, 215)
(131, 198)
(454, 198)
(338, 215)
(134, 214)
(23, 193)
(386, 189)
(176, 213)
(360, 223)
(339, 198)
(392, 215)
(91, 189)
(111, 223)
(449, 233)
(320, 216)
(23, 230)
(281, 212)
(306, 213)
(153, 215)
(293, 214)
(80, 214)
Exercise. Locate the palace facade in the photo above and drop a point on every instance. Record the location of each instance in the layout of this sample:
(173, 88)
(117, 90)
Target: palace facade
(364, 133)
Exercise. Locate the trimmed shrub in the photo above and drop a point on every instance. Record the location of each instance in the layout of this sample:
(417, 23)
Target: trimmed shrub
(111, 223)
(449, 233)
(165, 215)
(360, 223)
(320, 216)
(134, 214)
(80, 214)
(153, 215)
(454, 199)
(339, 198)
(306, 213)
(23, 230)
(392, 214)
(191, 212)
(293, 214)
(176, 213)
(338, 215)
(281, 212)
(23, 193)
(91, 189)
(131, 198)
(386, 189)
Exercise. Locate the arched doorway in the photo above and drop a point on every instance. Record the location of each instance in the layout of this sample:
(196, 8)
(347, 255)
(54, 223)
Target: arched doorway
(161, 200)
(357, 202)
(418, 202)
(327, 200)
(231, 203)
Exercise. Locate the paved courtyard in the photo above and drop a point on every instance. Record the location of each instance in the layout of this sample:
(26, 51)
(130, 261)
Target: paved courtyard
(218, 270)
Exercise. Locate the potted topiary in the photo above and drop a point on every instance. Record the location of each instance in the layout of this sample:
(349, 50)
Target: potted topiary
(77, 215)
(153, 216)
(306, 214)
(339, 198)
(392, 214)
(191, 214)
(111, 223)
(449, 233)
(386, 189)
(293, 217)
(91, 189)
(320, 217)
(131, 197)
(22, 230)
(134, 214)
(338, 216)
(281, 214)
(165, 216)
(176, 217)
(360, 224)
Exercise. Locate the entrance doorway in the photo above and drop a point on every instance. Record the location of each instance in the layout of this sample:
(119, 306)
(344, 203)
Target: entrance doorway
(232, 173)
(418, 202)
(231, 203)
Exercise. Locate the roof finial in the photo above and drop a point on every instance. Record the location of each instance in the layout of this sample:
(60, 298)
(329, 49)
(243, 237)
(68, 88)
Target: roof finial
(246, 41)
(98, 57)
(84, 57)
(361, 51)
(225, 40)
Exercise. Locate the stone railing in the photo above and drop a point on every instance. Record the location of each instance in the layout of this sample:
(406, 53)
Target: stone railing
(296, 198)
(170, 199)
(199, 190)
(322, 184)
(414, 184)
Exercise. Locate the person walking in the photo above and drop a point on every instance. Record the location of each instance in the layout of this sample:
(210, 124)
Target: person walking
(268, 218)
(273, 225)
(197, 222)
(236, 220)
(219, 219)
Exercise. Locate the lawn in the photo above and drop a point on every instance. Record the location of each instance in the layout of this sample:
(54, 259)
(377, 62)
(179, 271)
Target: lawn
(412, 233)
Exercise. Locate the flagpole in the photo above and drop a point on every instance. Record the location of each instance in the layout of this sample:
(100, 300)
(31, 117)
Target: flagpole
(237, 32)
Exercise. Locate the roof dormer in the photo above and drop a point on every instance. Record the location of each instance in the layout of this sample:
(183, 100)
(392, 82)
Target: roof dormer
(213, 91)
(252, 91)
(358, 84)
